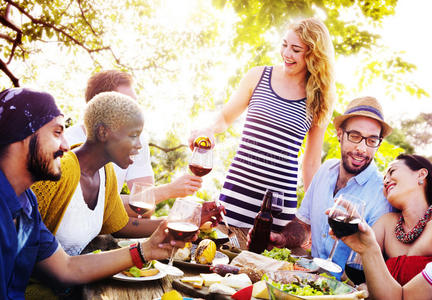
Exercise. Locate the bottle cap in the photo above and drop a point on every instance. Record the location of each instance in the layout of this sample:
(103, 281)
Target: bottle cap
(202, 142)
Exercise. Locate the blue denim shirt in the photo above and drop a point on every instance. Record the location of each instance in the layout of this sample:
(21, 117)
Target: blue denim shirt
(20, 250)
(368, 185)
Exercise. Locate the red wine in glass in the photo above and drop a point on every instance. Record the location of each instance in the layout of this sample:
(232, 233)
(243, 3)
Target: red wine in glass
(199, 170)
(140, 207)
(343, 225)
(182, 231)
(355, 273)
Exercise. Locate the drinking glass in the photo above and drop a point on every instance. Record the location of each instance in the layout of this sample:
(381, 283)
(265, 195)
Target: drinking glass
(141, 198)
(354, 268)
(344, 216)
(277, 203)
(201, 162)
(183, 221)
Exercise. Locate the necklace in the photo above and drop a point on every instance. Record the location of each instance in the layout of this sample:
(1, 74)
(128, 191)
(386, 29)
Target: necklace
(414, 233)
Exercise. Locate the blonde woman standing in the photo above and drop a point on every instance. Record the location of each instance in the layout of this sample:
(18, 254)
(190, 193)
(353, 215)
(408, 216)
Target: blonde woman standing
(283, 103)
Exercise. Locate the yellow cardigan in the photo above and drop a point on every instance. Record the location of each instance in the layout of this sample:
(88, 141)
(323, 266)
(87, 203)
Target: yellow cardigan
(54, 196)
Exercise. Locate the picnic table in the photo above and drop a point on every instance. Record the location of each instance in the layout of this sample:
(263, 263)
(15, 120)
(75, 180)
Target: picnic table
(110, 288)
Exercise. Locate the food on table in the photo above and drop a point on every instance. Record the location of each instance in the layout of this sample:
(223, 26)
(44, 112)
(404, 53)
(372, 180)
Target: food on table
(260, 290)
(196, 281)
(305, 287)
(221, 289)
(172, 295)
(184, 254)
(236, 281)
(260, 262)
(280, 254)
(222, 269)
(205, 252)
(211, 278)
(244, 293)
(207, 232)
(253, 274)
(147, 270)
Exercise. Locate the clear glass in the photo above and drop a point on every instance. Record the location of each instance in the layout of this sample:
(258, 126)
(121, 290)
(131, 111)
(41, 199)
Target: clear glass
(184, 220)
(201, 162)
(344, 216)
(141, 198)
(277, 203)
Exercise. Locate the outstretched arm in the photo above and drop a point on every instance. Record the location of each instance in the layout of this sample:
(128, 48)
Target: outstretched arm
(232, 109)
(312, 155)
(70, 270)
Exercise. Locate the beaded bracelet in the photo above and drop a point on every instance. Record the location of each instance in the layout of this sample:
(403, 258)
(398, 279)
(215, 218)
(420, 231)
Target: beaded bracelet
(141, 253)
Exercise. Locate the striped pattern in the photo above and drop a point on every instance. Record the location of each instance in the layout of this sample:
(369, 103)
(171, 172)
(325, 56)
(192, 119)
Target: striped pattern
(267, 156)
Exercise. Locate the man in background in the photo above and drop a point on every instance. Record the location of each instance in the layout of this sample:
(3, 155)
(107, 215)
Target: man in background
(140, 170)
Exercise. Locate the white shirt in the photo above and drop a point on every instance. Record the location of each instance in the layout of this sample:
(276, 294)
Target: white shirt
(79, 216)
(141, 167)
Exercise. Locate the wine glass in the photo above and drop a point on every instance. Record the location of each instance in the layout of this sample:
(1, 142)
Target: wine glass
(344, 216)
(277, 203)
(354, 268)
(141, 198)
(201, 162)
(184, 220)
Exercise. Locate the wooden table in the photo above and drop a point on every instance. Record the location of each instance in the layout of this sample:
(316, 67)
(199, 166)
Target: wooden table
(147, 290)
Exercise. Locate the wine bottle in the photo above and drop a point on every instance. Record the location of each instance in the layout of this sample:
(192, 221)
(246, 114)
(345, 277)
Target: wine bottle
(202, 142)
(260, 235)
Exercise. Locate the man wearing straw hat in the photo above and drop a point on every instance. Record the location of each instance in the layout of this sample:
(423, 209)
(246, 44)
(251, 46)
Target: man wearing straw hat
(360, 131)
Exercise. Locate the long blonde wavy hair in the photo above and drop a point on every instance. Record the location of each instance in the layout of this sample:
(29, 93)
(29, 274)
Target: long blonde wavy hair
(320, 86)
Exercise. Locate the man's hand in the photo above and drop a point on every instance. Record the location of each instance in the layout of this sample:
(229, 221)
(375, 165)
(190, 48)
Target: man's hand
(161, 243)
(211, 212)
(276, 240)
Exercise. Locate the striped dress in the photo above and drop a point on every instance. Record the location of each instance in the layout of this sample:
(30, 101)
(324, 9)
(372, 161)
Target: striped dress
(267, 157)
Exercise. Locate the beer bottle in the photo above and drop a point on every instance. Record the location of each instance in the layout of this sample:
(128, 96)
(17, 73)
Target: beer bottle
(260, 235)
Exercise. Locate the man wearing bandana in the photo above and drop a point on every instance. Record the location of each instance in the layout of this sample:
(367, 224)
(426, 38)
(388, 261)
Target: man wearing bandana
(31, 145)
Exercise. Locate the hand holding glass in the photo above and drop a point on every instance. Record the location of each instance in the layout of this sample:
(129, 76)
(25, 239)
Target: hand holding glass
(344, 217)
(184, 220)
(141, 198)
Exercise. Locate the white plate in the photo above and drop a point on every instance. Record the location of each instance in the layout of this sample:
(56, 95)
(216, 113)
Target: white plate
(123, 277)
(127, 243)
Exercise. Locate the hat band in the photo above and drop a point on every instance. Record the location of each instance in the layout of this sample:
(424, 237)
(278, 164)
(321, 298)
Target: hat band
(365, 108)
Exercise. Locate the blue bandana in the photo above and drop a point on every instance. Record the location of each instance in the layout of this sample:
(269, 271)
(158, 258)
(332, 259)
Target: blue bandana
(22, 112)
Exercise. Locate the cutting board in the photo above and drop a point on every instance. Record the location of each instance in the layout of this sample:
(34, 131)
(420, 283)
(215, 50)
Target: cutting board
(197, 293)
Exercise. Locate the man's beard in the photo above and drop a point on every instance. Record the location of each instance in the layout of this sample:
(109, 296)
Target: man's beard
(352, 170)
(38, 164)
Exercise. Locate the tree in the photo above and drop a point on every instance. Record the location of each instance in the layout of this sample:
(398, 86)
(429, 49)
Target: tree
(71, 23)
(351, 35)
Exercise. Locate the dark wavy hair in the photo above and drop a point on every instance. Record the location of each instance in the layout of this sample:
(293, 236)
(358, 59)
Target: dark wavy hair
(415, 163)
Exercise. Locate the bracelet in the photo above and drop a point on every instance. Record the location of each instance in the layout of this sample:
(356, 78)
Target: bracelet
(141, 253)
(136, 256)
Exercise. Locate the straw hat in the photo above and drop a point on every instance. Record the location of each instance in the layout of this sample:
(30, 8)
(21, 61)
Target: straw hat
(366, 107)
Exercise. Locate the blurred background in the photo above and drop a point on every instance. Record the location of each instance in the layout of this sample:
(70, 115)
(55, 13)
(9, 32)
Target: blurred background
(187, 57)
